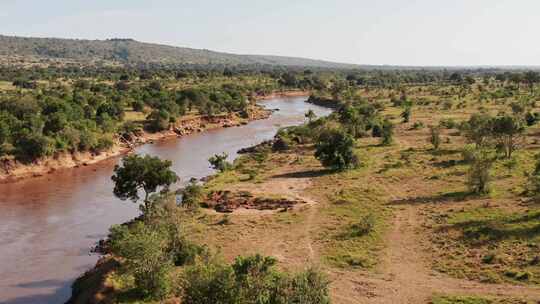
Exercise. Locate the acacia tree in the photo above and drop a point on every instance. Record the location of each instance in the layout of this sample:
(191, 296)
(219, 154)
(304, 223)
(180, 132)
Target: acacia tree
(478, 129)
(387, 133)
(479, 171)
(508, 131)
(531, 78)
(144, 173)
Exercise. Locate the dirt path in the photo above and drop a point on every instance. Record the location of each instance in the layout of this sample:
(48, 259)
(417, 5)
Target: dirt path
(405, 274)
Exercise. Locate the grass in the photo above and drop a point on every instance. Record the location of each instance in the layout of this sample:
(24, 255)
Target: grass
(443, 299)
(6, 85)
(489, 244)
(352, 235)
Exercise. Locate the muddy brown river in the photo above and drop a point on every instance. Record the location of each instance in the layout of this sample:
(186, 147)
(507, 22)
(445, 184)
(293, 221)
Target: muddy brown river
(49, 224)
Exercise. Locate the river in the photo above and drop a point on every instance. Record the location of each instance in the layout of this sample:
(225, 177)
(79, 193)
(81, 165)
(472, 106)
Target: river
(48, 224)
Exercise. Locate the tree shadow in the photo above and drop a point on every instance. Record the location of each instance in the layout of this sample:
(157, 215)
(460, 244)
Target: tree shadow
(485, 231)
(305, 174)
(448, 163)
(443, 152)
(457, 196)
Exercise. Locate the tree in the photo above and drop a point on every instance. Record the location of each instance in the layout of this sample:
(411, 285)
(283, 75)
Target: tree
(479, 170)
(478, 129)
(533, 180)
(531, 78)
(219, 162)
(508, 130)
(192, 195)
(335, 149)
(144, 173)
(145, 252)
(387, 133)
(159, 120)
(310, 115)
(351, 119)
(435, 136)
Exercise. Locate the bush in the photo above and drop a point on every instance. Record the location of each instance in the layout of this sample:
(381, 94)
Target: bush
(376, 130)
(334, 148)
(251, 279)
(364, 226)
(144, 250)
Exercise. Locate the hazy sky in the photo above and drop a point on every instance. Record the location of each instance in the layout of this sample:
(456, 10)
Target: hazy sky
(402, 32)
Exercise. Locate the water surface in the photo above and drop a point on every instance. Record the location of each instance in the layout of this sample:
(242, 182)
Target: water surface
(49, 224)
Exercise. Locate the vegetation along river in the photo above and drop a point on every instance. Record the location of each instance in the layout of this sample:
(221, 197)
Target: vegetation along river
(49, 224)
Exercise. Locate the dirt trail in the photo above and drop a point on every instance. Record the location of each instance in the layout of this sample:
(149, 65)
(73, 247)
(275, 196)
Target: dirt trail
(405, 274)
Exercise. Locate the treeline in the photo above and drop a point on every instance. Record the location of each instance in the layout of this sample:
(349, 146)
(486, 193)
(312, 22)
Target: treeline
(86, 115)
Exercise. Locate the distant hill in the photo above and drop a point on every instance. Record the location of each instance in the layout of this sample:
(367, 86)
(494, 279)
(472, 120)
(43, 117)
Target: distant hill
(131, 52)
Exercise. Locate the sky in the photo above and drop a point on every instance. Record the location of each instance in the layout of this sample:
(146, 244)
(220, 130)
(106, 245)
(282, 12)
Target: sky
(391, 32)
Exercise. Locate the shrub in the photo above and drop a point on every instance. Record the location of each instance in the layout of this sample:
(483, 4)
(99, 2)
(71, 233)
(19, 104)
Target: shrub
(364, 226)
(417, 125)
(251, 279)
(448, 123)
(376, 130)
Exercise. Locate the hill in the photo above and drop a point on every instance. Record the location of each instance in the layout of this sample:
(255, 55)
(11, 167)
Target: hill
(132, 52)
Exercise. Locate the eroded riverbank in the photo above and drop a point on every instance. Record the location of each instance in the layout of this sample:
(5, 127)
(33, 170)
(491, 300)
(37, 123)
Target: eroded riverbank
(13, 171)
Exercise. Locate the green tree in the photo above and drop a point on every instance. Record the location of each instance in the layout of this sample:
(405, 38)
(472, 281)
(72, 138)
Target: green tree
(531, 78)
(192, 194)
(387, 135)
(145, 252)
(159, 120)
(335, 149)
(479, 171)
(478, 129)
(219, 162)
(144, 173)
(508, 131)
(533, 179)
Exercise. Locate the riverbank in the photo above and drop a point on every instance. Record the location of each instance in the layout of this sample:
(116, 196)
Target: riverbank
(13, 171)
